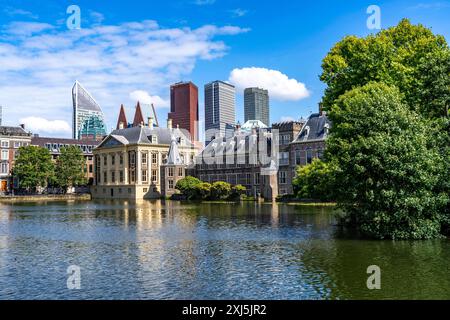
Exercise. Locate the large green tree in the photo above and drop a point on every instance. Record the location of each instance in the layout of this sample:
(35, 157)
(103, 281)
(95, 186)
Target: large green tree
(70, 168)
(389, 169)
(33, 167)
(407, 56)
(313, 181)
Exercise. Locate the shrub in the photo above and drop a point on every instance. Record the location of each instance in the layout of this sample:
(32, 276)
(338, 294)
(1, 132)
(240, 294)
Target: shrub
(220, 190)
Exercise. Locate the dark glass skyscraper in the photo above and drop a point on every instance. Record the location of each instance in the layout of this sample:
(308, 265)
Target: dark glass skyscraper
(256, 105)
(220, 114)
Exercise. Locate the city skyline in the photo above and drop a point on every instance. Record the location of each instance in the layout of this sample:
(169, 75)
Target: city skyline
(124, 55)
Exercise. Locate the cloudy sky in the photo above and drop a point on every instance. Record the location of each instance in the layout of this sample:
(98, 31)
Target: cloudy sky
(133, 50)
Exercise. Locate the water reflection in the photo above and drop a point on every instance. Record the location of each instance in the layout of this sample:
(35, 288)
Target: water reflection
(172, 250)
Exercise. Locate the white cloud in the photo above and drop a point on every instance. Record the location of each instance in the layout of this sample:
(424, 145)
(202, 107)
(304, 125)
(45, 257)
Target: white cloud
(279, 85)
(40, 62)
(204, 2)
(19, 12)
(145, 98)
(237, 13)
(44, 126)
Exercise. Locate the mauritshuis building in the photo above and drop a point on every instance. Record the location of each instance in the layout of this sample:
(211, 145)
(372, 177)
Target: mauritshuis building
(88, 117)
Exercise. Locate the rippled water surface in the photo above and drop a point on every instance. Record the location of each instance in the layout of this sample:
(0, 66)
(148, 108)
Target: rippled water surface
(157, 250)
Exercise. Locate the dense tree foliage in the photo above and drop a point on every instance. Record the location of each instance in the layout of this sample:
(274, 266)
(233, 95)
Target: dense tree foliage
(407, 56)
(313, 181)
(388, 168)
(70, 167)
(220, 190)
(33, 167)
(388, 96)
(188, 186)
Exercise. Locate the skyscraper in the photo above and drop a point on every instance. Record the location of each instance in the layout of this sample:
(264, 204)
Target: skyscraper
(184, 107)
(88, 118)
(220, 113)
(256, 105)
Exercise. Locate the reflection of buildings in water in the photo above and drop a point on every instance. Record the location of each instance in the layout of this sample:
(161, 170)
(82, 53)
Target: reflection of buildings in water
(166, 242)
(275, 216)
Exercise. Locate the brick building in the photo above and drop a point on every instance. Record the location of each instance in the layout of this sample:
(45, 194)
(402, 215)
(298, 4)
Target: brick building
(11, 139)
(184, 107)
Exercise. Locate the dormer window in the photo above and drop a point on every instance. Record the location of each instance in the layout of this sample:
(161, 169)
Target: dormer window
(326, 130)
(306, 135)
(153, 139)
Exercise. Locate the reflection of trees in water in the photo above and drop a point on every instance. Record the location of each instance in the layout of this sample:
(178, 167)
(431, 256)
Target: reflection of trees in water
(409, 270)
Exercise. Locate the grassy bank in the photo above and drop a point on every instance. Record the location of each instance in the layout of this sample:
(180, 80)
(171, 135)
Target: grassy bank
(35, 198)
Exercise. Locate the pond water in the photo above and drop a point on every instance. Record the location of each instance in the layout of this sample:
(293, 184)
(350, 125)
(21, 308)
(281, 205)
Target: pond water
(172, 250)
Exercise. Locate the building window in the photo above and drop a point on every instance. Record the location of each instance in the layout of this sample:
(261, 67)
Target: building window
(113, 159)
(170, 184)
(121, 159)
(16, 144)
(132, 158)
(284, 158)
(5, 144)
(154, 158)
(257, 178)
(113, 176)
(145, 190)
(180, 172)
(170, 172)
(283, 178)
(5, 168)
(309, 156)
(144, 175)
(298, 157)
(154, 176)
(5, 155)
(132, 176)
(248, 178)
(90, 168)
(144, 158)
(105, 160)
(120, 176)
(105, 177)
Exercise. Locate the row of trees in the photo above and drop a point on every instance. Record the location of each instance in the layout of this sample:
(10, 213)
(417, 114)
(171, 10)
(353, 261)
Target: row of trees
(387, 162)
(35, 168)
(194, 189)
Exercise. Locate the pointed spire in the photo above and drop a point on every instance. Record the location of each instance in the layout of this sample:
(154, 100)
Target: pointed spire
(122, 118)
(174, 158)
(138, 117)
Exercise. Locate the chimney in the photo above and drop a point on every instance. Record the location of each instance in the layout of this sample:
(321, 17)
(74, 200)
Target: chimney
(150, 122)
(121, 126)
(169, 123)
(321, 108)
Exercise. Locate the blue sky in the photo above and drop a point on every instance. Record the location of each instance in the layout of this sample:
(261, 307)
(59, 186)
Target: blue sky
(129, 50)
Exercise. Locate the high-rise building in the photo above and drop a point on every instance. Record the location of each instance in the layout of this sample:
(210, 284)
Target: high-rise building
(220, 113)
(184, 107)
(256, 105)
(88, 118)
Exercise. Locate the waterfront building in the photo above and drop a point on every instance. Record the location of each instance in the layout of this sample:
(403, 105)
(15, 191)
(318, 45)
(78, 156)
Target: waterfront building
(54, 145)
(309, 143)
(88, 118)
(11, 139)
(184, 107)
(220, 113)
(287, 132)
(127, 164)
(246, 159)
(256, 105)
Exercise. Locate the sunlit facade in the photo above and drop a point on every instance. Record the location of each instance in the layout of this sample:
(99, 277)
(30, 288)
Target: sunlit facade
(88, 118)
